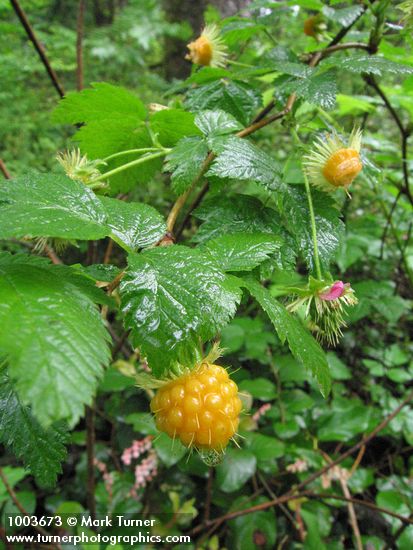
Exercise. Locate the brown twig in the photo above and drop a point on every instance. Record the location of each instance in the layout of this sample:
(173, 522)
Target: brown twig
(207, 509)
(79, 44)
(90, 452)
(4, 170)
(52, 255)
(404, 133)
(108, 252)
(346, 492)
(38, 46)
(295, 491)
(21, 508)
(115, 283)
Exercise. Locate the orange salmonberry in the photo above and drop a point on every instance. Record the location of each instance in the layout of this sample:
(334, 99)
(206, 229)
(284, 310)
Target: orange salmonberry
(342, 167)
(200, 408)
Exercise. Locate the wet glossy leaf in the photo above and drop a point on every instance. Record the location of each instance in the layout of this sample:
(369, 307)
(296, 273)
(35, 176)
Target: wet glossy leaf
(185, 162)
(369, 64)
(236, 98)
(135, 224)
(50, 205)
(302, 345)
(216, 123)
(330, 229)
(55, 341)
(42, 450)
(173, 296)
(242, 251)
(236, 214)
(241, 159)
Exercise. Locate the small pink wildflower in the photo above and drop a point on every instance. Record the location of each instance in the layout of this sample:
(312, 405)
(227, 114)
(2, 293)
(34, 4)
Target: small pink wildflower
(148, 467)
(261, 411)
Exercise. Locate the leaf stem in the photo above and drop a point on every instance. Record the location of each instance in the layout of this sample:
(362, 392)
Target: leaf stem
(132, 151)
(313, 226)
(119, 169)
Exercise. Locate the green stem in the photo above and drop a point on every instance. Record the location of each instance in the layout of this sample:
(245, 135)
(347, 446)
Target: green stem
(239, 64)
(313, 226)
(140, 160)
(132, 151)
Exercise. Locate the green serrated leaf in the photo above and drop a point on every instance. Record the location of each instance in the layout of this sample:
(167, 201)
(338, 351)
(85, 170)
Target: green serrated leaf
(302, 345)
(135, 224)
(102, 101)
(105, 137)
(42, 450)
(241, 159)
(171, 125)
(171, 297)
(330, 229)
(345, 16)
(235, 214)
(368, 64)
(242, 251)
(50, 205)
(319, 88)
(185, 161)
(236, 98)
(240, 29)
(216, 123)
(55, 340)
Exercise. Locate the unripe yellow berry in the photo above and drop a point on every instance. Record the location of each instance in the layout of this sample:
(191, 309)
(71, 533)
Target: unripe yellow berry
(200, 51)
(342, 167)
(200, 408)
(309, 26)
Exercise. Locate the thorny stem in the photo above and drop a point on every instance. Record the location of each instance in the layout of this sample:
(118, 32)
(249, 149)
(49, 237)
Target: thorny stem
(119, 169)
(313, 226)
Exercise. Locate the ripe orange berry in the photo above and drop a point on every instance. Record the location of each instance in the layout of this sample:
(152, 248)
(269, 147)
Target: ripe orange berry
(342, 167)
(201, 408)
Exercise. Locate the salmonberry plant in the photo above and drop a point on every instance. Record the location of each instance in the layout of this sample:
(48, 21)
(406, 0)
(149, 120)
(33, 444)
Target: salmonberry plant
(96, 261)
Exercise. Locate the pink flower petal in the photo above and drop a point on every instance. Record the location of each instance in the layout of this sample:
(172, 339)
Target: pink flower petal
(334, 292)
